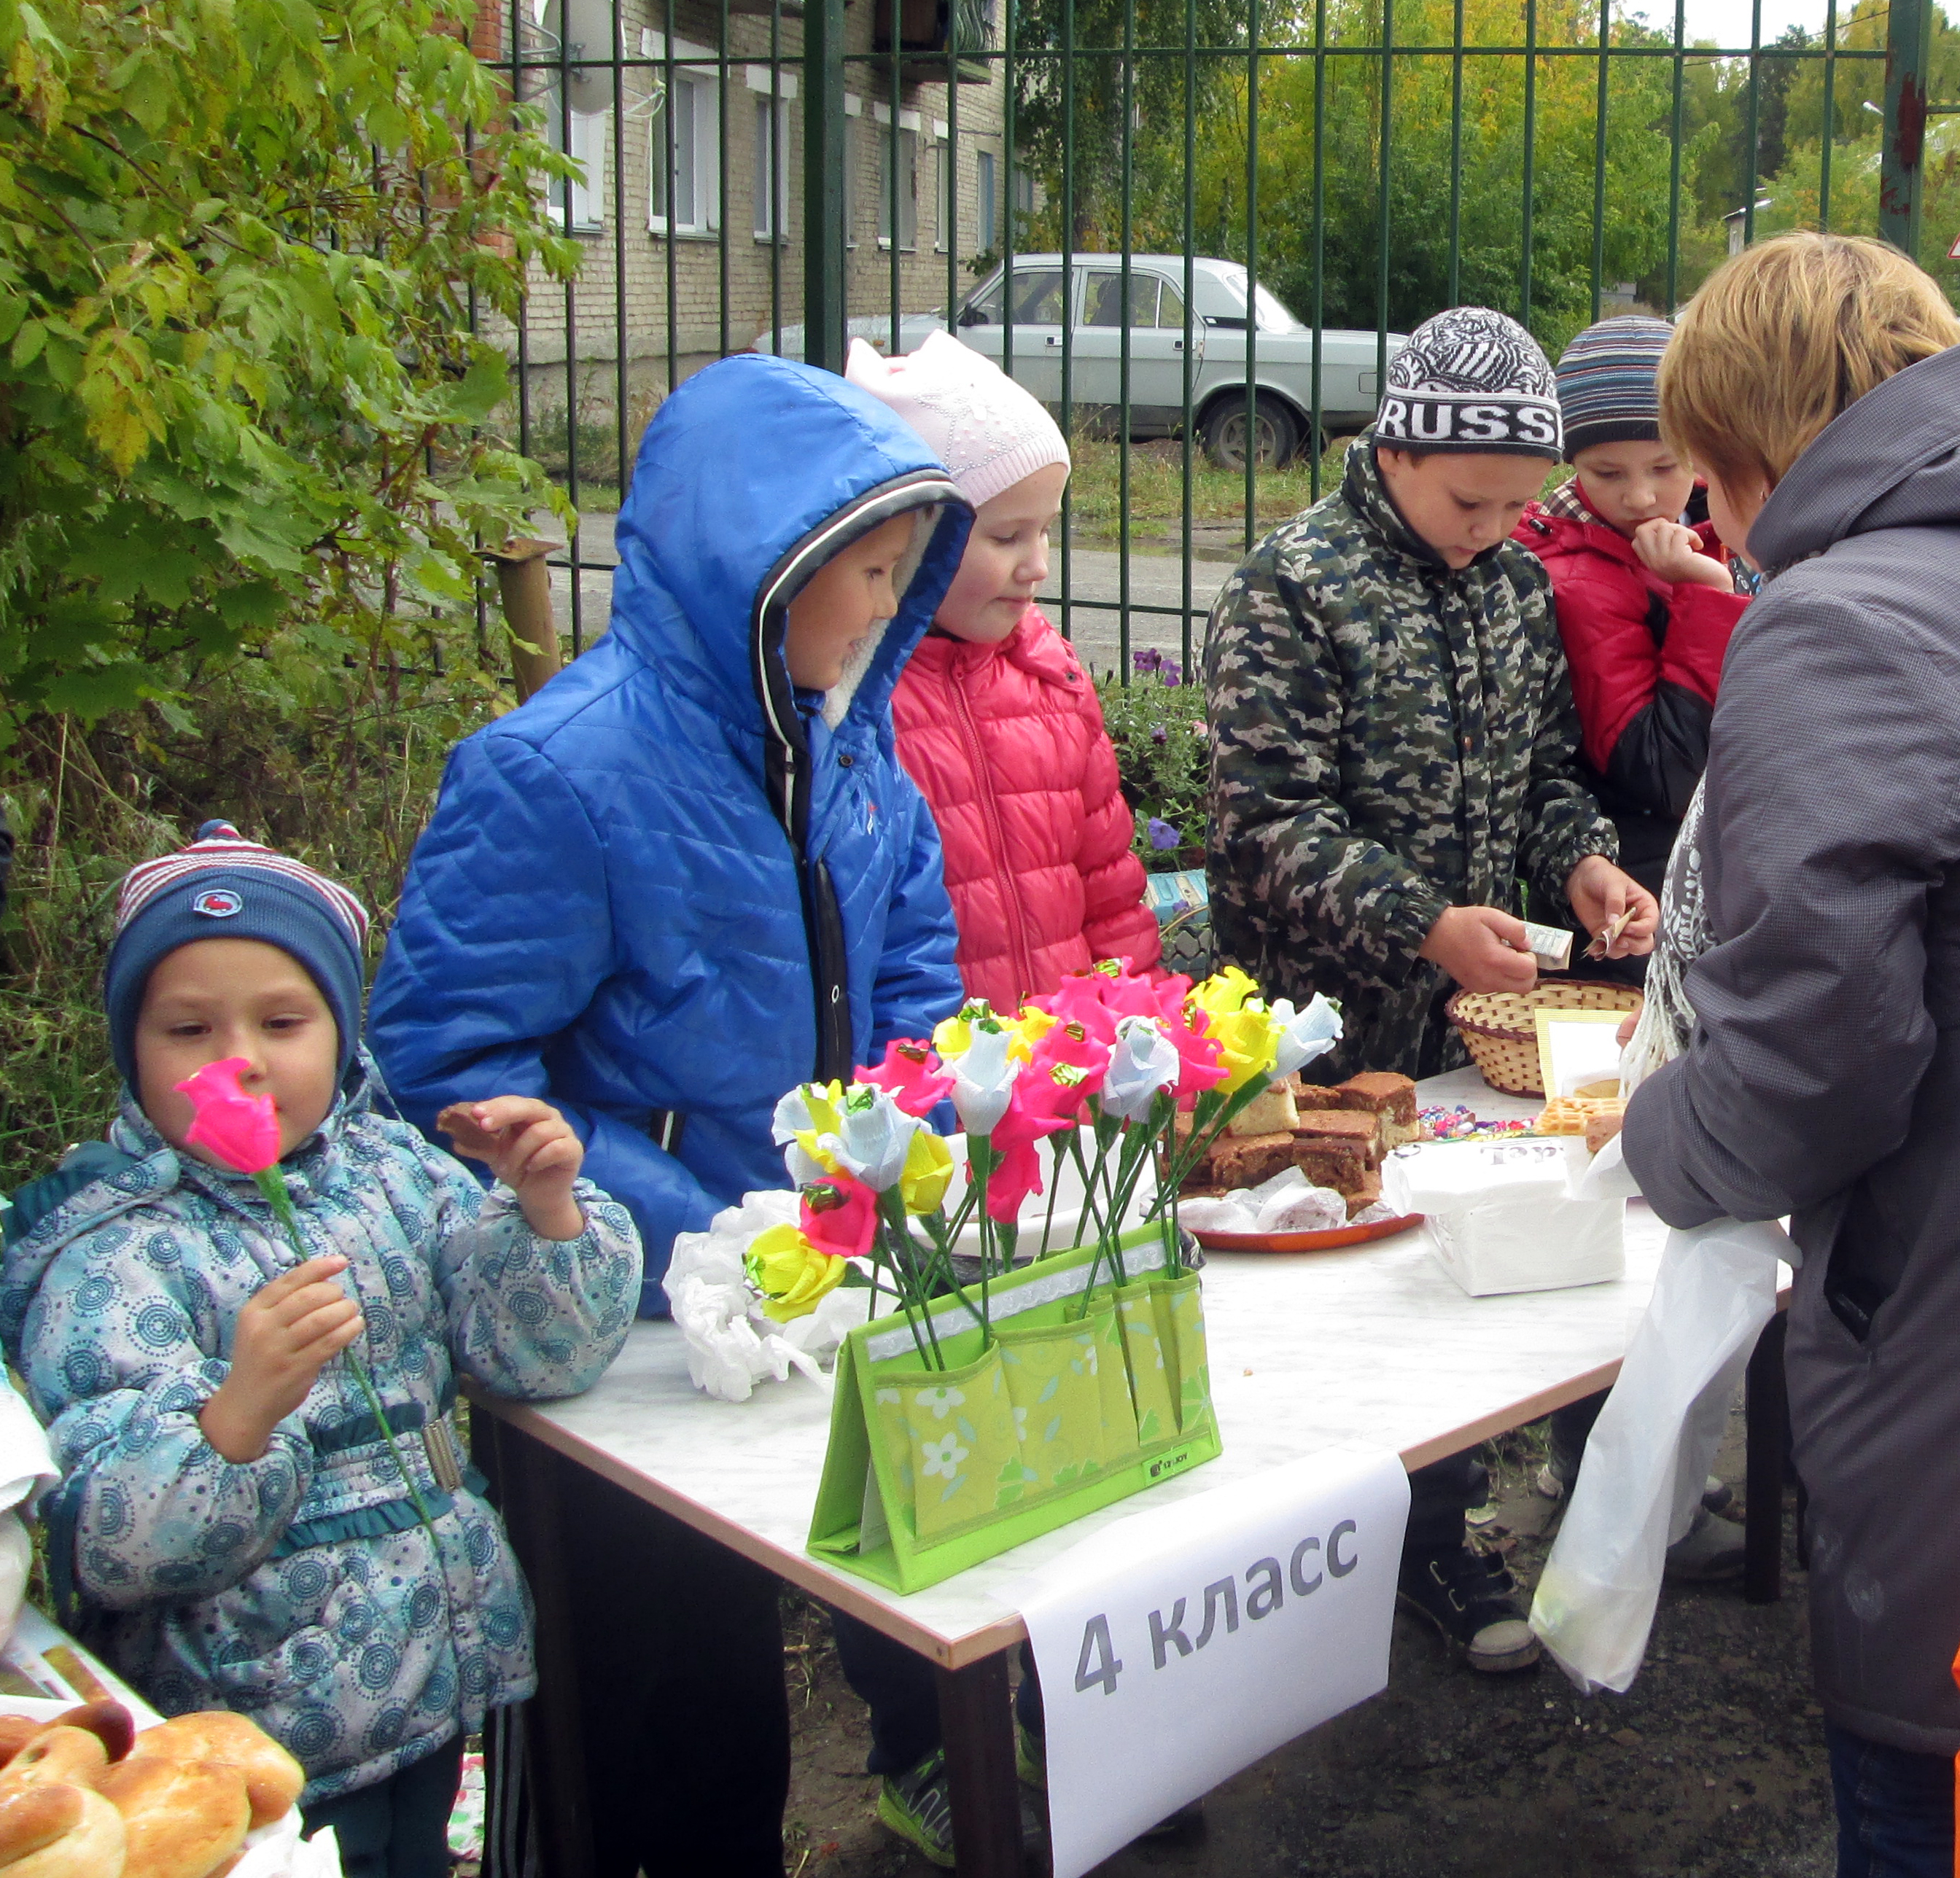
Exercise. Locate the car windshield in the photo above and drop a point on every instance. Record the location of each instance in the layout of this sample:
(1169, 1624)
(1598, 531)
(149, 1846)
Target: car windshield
(1274, 317)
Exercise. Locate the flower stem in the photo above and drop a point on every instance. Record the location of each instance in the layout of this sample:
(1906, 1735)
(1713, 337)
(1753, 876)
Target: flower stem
(272, 1184)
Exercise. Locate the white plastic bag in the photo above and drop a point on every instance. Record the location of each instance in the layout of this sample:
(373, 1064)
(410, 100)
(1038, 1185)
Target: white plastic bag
(1649, 1451)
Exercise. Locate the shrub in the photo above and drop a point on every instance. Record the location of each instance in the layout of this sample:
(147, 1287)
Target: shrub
(1163, 754)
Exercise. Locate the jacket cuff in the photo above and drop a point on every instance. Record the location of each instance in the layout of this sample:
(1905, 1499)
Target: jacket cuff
(1407, 922)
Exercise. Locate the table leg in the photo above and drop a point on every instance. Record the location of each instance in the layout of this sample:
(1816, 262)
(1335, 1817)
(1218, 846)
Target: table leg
(1767, 1412)
(976, 1720)
(524, 1479)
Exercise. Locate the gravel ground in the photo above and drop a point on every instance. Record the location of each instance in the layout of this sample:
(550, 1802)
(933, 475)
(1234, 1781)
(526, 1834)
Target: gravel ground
(1712, 1766)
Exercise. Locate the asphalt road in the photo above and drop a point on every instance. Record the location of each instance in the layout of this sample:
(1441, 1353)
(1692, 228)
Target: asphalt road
(1092, 614)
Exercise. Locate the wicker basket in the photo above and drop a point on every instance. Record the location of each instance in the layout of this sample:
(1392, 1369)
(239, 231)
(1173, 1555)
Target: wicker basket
(1498, 1030)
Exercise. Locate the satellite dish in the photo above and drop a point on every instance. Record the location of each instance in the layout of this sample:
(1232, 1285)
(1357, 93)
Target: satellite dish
(576, 31)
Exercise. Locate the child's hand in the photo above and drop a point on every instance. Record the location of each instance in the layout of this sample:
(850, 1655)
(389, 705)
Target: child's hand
(1600, 892)
(1673, 551)
(529, 1146)
(291, 1329)
(1482, 948)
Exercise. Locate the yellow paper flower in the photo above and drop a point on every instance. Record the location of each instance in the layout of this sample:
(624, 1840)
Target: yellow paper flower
(1248, 1041)
(1224, 991)
(1029, 1028)
(790, 1272)
(928, 1172)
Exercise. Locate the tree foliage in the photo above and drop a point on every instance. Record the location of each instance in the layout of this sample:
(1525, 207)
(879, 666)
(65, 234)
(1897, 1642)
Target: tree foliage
(239, 399)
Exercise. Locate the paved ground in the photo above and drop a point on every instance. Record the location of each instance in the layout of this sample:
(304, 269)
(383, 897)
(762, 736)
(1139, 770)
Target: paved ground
(1095, 575)
(1711, 1767)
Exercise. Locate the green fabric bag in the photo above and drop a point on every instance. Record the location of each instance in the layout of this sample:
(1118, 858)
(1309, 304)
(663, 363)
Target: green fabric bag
(929, 1471)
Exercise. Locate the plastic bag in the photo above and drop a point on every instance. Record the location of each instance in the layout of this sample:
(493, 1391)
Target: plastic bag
(1649, 1451)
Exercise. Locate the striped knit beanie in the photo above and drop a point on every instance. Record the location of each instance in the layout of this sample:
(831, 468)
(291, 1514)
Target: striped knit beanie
(1607, 383)
(223, 886)
(1470, 380)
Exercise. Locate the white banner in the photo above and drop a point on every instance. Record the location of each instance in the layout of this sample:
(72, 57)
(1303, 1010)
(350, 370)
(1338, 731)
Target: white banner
(1185, 1642)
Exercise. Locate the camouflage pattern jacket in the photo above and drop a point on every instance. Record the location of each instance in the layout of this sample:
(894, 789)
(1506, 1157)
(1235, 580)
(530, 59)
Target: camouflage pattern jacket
(1390, 737)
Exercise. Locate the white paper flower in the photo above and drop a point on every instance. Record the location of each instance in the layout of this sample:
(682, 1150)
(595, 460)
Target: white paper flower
(984, 1080)
(1306, 1034)
(1144, 1062)
(943, 1457)
(872, 1138)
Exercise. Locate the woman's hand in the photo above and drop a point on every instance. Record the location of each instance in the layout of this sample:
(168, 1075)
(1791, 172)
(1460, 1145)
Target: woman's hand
(1599, 893)
(289, 1331)
(529, 1146)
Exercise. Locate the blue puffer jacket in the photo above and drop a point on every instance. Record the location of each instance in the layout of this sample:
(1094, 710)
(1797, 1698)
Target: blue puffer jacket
(662, 892)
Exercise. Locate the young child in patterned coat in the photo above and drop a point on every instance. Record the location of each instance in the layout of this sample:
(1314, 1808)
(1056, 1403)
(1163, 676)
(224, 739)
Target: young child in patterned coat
(231, 1520)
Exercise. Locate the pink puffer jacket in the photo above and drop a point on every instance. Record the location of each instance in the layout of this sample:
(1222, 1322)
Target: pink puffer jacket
(1006, 745)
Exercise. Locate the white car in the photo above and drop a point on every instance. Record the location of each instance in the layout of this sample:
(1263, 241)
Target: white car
(1073, 310)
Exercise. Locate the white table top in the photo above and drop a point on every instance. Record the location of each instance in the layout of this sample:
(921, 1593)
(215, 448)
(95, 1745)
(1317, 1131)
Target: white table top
(1374, 1346)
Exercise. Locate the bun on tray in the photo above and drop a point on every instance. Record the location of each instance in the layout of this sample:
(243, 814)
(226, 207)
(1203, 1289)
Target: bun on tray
(55, 1753)
(272, 1778)
(183, 1818)
(54, 1829)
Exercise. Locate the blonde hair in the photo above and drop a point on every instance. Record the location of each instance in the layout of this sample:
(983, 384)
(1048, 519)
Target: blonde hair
(1781, 339)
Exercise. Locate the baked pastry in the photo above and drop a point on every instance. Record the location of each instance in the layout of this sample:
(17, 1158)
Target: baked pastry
(1341, 1165)
(272, 1778)
(16, 1731)
(110, 1723)
(1361, 1127)
(180, 1819)
(1601, 1129)
(1245, 1161)
(56, 1753)
(1381, 1092)
(1365, 1195)
(1272, 1110)
(1570, 1115)
(55, 1829)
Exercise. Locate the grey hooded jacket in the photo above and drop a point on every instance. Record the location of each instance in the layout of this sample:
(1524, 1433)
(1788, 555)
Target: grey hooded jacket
(1824, 1077)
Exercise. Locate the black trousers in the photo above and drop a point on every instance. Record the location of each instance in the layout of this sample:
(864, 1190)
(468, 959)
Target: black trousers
(678, 1647)
(900, 1687)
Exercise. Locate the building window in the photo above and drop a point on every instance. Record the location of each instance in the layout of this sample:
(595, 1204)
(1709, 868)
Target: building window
(850, 185)
(684, 157)
(772, 167)
(988, 234)
(1024, 199)
(907, 142)
(579, 204)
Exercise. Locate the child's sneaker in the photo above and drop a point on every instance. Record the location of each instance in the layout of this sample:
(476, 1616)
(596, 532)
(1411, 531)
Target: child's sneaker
(1470, 1600)
(916, 1805)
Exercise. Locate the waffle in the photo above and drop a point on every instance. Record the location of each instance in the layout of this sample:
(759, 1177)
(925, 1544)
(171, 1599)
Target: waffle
(1568, 1114)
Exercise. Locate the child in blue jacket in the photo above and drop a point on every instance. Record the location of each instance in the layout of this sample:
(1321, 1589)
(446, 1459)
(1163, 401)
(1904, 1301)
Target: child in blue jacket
(234, 1521)
(687, 876)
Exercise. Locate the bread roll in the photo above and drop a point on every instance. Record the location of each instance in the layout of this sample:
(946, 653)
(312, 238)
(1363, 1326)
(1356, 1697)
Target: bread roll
(16, 1731)
(272, 1778)
(53, 1830)
(181, 1819)
(55, 1753)
(110, 1723)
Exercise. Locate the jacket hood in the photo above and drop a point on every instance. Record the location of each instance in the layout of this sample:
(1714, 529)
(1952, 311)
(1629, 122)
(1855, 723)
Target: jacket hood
(1890, 460)
(752, 475)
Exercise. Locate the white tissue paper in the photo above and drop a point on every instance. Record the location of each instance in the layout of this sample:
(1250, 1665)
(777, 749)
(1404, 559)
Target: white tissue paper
(27, 1471)
(1501, 1213)
(277, 1850)
(1288, 1202)
(732, 1344)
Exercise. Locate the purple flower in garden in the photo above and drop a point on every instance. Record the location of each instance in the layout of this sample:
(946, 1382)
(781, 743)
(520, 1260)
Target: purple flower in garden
(1149, 659)
(1171, 671)
(1163, 834)
(1159, 734)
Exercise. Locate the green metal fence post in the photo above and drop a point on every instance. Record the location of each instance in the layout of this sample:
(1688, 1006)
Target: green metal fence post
(1908, 51)
(823, 231)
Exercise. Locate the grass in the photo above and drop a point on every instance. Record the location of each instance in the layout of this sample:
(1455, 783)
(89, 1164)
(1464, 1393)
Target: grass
(1157, 489)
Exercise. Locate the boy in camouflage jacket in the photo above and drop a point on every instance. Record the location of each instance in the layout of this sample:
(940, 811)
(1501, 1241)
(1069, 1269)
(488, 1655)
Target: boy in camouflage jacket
(1393, 739)
(1394, 749)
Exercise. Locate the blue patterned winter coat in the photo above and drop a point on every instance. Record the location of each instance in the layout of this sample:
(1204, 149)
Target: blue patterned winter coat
(300, 1588)
(664, 891)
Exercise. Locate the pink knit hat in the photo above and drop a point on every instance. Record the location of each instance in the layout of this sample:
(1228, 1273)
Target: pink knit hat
(987, 431)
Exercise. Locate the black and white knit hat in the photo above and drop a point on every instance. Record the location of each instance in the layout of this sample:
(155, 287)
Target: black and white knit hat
(1607, 382)
(1471, 380)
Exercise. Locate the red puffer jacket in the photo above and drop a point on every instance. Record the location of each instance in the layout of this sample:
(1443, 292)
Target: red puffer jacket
(1006, 745)
(1645, 656)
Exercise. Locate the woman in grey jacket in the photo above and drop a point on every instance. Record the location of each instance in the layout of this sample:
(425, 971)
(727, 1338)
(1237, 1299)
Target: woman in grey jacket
(1815, 380)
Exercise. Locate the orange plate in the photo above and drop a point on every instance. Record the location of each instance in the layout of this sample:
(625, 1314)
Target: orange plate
(1326, 1242)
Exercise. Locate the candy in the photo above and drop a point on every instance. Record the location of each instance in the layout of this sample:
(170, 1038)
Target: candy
(1460, 1123)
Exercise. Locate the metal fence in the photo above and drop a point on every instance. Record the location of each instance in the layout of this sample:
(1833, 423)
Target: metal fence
(1100, 193)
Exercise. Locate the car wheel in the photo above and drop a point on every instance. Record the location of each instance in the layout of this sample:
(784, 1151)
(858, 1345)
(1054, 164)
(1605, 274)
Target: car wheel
(1276, 432)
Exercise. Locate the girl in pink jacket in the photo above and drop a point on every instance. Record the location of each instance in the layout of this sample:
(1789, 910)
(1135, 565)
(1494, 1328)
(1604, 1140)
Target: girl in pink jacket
(997, 720)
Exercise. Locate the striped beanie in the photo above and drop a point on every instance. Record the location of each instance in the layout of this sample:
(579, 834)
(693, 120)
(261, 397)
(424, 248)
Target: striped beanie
(223, 886)
(1606, 383)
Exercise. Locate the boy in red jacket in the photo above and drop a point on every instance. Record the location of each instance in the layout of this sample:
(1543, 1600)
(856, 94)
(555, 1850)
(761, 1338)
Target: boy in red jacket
(1646, 603)
(998, 721)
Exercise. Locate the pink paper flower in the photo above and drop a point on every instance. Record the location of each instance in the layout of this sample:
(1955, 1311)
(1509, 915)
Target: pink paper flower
(1074, 1043)
(240, 1131)
(1040, 1105)
(1200, 1066)
(840, 1215)
(1124, 994)
(1079, 1000)
(912, 1074)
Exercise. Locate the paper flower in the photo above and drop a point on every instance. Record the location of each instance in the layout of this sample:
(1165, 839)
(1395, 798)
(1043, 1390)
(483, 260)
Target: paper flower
(791, 1273)
(1228, 1011)
(802, 1118)
(1303, 1035)
(928, 1172)
(839, 1215)
(1199, 1068)
(984, 1076)
(1070, 1045)
(1226, 990)
(1143, 1064)
(239, 1131)
(953, 1036)
(1124, 993)
(1079, 1000)
(873, 1137)
(1042, 1102)
(912, 1074)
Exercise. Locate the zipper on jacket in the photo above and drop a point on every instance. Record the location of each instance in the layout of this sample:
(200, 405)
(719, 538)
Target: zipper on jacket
(996, 834)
